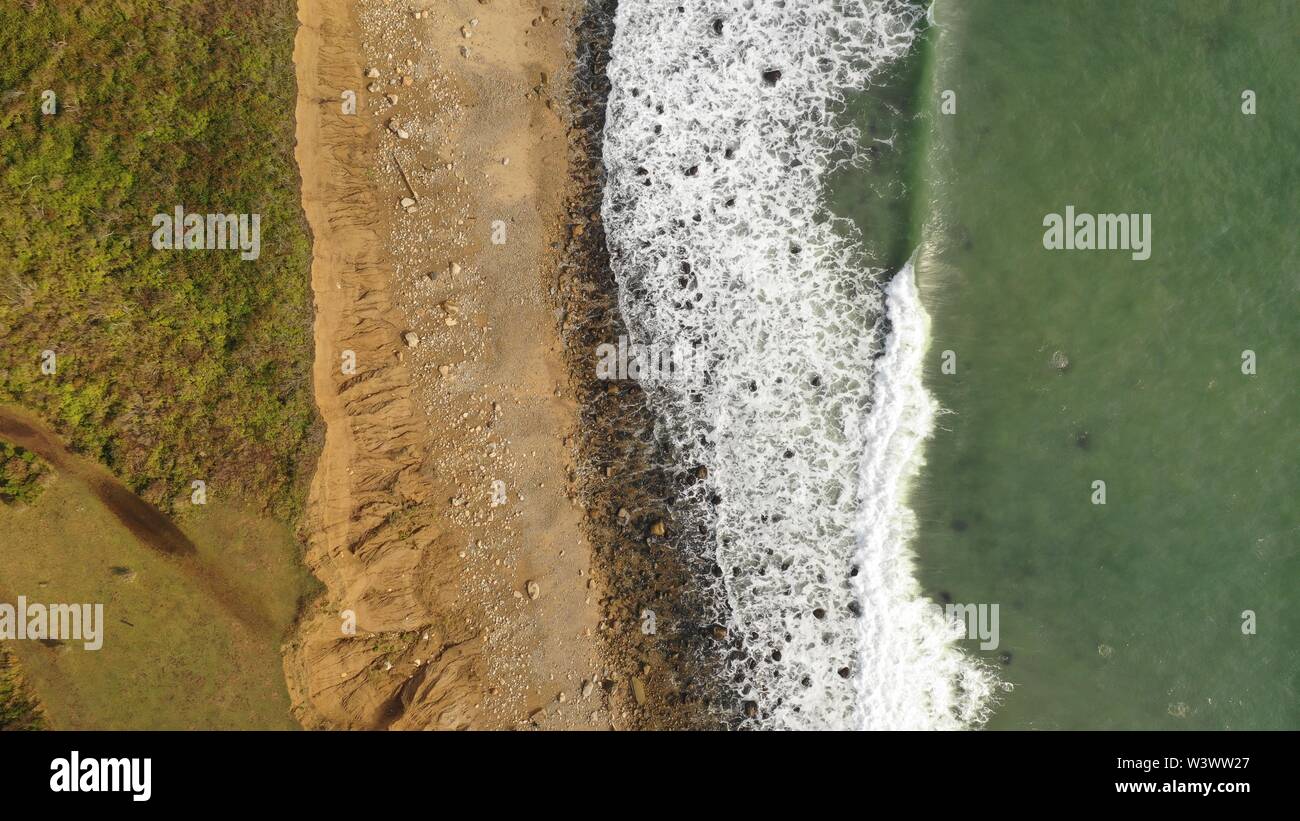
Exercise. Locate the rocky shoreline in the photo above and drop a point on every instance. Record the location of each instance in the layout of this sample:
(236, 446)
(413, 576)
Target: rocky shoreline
(662, 634)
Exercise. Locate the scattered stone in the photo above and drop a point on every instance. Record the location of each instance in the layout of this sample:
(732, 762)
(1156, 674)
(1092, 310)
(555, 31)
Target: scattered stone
(1060, 361)
(771, 76)
(407, 202)
(412, 339)
(658, 528)
(751, 709)
(391, 98)
(586, 688)
(638, 690)
(534, 589)
(372, 73)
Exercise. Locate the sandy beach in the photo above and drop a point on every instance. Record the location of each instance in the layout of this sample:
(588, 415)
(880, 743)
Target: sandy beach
(440, 513)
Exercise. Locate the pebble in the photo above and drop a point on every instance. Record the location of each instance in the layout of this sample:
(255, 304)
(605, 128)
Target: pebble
(534, 589)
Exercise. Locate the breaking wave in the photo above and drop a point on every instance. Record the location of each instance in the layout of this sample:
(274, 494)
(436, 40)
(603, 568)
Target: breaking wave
(806, 409)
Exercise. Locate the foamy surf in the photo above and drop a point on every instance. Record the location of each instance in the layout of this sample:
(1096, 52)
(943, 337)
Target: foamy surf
(912, 675)
(720, 132)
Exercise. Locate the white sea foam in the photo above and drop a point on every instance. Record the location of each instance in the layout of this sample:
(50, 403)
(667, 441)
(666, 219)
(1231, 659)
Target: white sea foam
(912, 676)
(720, 238)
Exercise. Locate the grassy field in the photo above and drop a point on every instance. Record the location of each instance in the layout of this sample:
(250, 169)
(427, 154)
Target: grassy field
(173, 657)
(171, 366)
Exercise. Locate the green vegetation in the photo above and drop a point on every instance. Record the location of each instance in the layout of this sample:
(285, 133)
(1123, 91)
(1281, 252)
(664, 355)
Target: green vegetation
(171, 365)
(18, 710)
(22, 475)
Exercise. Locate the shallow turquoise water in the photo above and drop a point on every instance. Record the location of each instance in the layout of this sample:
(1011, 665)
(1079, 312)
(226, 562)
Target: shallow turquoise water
(1127, 614)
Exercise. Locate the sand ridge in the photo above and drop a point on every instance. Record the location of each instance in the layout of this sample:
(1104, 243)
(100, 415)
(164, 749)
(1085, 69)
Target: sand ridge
(443, 487)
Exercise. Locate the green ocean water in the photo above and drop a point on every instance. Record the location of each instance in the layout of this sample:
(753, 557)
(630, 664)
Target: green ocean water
(1127, 614)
